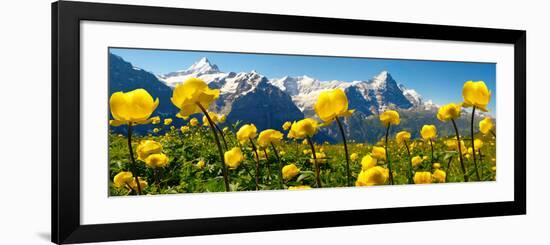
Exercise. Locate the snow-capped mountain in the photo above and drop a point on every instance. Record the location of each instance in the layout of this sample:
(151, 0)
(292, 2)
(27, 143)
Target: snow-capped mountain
(251, 97)
(202, 69)
(374, 95)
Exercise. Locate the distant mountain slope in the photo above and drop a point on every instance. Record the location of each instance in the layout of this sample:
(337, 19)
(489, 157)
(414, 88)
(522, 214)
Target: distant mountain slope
(250, 97)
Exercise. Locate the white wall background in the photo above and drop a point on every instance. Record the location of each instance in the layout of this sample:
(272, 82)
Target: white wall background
(25, 125)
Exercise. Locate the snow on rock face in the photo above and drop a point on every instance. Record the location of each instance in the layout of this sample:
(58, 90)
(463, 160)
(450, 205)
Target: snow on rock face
(202, 69)
(380, 92)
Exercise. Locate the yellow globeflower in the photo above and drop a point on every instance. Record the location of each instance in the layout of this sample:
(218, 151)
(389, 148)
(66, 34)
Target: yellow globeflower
(448, 112)
(299, 187)
(453, 146)
(321, 158)
(142, 184)
(155, 120)
(268, 137)
(246, 133)
(331, 104)
(485, 125)
(290, 171)
(193, 122)
(167, 121)
(428, 132)
(390, 117)
(201, 164)
(306, 152)
(373, 176)
(436, 165)
(159, 160)
(368, 162)
(439, 176)
(416, 160)
(354, 156)
(478, 144)
(134, 107)
(213, 116)
(286, 125)
(123, 178)
(184, 129)
(222, 118)
(378, 152)
(155, 130)
(402, 137)
(422, 178)
(191, 93)
(304, 128)
(233, 158)
(148, 147)
(476, 94)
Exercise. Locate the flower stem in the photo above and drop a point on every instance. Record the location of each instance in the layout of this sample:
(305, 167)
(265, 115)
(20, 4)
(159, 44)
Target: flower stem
(387, 153)
(257, 164)
(346, 150)
(432, 159)
(280, 165)
(224, 168)
(134, 165)
(268, 167)
(410, 162)
(464, 175)
(317, 167)
(448, 168)
(473, 145)
(493, 133)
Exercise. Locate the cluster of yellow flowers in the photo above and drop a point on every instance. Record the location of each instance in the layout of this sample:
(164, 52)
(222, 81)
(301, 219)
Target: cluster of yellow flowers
(194, 96)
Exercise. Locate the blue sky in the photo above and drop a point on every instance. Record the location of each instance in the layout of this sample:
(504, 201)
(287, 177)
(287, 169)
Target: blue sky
(440, 81)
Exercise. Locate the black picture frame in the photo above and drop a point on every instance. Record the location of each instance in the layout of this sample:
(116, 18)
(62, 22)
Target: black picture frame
(66, 18)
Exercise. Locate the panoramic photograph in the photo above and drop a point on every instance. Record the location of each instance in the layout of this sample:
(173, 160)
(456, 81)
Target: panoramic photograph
(183, 121)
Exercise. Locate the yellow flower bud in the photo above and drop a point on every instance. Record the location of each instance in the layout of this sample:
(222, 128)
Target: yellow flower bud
(422, 178)
(123, 178)
(436, 165)
(368, 162)
(402, 137)
(233, 158)
(132, 107)
(378, 152)
(476, 94)
(200, 164)
(439, 176)
(448, 112)
(331, 104)
(428, 132)
(286, 125)
(268, 137)
(373, 176)
(167, 121)
(485, 125)
(354, 156)
(156, 160)
(193, 122)
(142, 184)
(290, 171)
(246, 133)
(304, 128)
(191, 93)
(321, 158)
(184, 129)
(390, 117)
(148, 147)
(416, 160)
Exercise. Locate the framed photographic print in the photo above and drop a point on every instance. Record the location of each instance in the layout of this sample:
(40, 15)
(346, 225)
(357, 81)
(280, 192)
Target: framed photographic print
(177, 122)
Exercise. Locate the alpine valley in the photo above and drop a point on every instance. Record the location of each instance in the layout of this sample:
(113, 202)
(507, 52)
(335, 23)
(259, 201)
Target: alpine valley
(251, 97)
